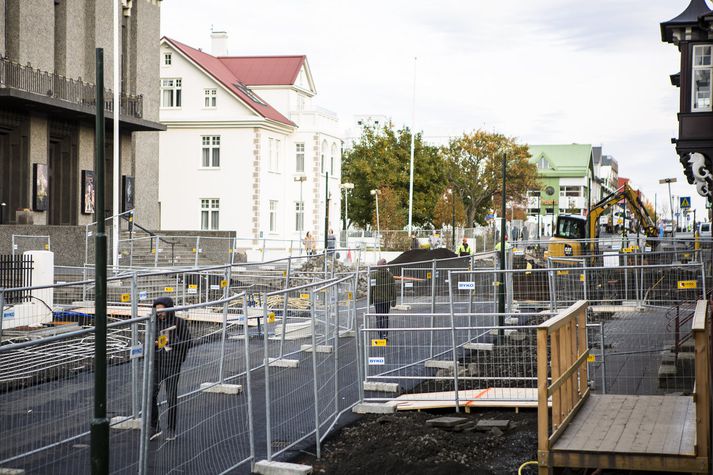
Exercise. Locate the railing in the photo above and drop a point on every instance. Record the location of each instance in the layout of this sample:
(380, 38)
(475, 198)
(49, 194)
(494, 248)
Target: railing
(566, 335)
(25, 78)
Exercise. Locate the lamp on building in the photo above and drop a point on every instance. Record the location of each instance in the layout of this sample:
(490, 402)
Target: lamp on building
(346, 187)
(375, 194)
(2, 212)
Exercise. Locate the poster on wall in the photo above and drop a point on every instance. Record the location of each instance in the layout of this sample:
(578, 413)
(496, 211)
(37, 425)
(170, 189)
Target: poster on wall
(128, 189)
(88, 193)
(40, 187)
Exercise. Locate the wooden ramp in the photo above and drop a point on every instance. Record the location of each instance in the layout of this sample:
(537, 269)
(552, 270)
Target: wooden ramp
(490, 397)
(621, 432)
(630, 432)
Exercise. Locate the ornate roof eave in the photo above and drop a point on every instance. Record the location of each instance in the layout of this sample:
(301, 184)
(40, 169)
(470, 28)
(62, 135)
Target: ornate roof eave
(684, 23)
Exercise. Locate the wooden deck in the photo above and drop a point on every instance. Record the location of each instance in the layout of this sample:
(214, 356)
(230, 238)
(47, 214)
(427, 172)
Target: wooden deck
(656, 425)
(625, 432)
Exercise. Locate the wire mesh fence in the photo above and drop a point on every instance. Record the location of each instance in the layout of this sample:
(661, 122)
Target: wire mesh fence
(22, 243)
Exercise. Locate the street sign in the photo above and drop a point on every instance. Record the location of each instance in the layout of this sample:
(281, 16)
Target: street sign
(685, 202)
(667, 180)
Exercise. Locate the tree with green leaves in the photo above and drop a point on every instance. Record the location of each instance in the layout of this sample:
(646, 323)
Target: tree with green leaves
(474, 167)
(380, 159)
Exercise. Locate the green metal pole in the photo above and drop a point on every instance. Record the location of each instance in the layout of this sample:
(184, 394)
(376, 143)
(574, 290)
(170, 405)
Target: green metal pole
(453, 219)
(100, 424)
(501, 287)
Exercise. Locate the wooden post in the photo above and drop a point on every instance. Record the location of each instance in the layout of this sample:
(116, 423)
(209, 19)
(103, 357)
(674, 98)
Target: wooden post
(543, 442)
(582, 346)
(701, 332)
(557, 393)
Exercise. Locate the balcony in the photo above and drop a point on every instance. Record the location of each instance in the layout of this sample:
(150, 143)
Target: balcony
(25, 86)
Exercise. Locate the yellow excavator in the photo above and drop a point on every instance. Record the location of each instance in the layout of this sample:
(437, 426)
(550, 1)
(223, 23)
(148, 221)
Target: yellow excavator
(571, 230)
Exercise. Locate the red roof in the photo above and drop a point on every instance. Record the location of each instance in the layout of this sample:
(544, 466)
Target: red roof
(223, 74)
(264, 70)
(623, 181)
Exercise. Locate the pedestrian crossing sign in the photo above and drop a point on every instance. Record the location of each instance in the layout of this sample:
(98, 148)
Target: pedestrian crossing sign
(685, 202)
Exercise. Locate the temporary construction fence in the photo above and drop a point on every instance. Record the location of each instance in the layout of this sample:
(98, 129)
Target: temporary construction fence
(22, 243)
(47, 387)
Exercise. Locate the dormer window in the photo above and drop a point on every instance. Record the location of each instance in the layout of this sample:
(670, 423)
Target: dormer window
(702, 69)
(543, 164)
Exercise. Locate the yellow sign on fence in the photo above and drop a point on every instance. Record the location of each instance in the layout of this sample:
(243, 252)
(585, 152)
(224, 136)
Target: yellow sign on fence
(591, 358)
(687, 284)
(350, 296)
(581, 277)
(168, 289)
(271, 317)
(125, 298)
(428, 275)
(378, 342)
(192, 286)
(304, 296)
(562, 272)
(223, 283)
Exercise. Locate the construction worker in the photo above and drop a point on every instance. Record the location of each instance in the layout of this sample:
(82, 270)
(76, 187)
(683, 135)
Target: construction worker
(507, 244)
(464, 249)
(382, 296)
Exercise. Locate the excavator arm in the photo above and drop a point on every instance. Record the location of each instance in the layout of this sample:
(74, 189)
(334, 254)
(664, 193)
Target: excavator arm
(627, 193)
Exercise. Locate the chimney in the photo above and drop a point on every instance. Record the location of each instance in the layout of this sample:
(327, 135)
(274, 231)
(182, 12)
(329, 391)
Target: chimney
(219, 43)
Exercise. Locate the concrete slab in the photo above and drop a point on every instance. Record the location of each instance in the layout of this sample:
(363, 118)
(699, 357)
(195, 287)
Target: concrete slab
(381, 387)
(440, 364)
(221, 388)
(265, 467)
(284, 363)
(12, 471)
(402, 307)
(320, 348)
(479, 346)
(446, 422)
(373, 408)
(487, 424)
(124, 423)
(512, 321)
(667, 371)
(347, 334)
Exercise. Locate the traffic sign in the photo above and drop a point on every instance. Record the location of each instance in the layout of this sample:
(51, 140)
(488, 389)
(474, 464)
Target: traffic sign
(685, 202)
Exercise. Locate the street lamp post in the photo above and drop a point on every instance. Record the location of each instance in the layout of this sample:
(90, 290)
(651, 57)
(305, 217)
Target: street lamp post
(453, 219)
(670, 201)
(346, 187)
(375, 194)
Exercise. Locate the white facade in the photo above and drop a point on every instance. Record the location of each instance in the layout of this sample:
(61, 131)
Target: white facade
(226, 166)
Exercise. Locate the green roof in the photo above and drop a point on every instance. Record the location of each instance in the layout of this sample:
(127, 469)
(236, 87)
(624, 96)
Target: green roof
(571, 160)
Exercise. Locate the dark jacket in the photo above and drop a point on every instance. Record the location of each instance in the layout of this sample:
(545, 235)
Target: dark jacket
(179, 338)
(383, 287)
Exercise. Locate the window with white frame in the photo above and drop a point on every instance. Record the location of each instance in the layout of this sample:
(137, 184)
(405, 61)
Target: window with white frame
(299, 157)
(574, 191)
(299, 215)
(210, 210)
(324, 153)
(170, 93)
(209, 98)
(543, 164)
(273, 216)
(167, 59)
(702, 72)
(332, 158)
(211, 151)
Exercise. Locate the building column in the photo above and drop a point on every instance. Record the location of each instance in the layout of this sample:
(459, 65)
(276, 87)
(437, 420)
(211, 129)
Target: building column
(256, 185)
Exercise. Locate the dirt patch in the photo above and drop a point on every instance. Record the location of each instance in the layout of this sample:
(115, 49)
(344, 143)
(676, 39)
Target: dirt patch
(421, 255)
(403, 443)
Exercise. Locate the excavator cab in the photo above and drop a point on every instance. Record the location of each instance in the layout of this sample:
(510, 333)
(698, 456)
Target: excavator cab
(567, 238)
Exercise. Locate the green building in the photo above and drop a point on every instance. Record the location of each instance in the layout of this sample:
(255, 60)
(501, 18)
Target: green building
(566, 174)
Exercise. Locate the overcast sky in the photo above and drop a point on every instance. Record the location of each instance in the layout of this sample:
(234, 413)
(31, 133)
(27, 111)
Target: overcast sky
(544, 71)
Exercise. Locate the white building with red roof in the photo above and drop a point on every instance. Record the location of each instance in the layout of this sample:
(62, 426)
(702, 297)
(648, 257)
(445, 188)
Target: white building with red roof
(245, 149)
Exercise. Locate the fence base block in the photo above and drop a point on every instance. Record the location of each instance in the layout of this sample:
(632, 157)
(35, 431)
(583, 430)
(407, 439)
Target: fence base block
(265, 467)
(381, 387)
(479, 346)
(440, 364)
(320, 348)
(221, 388)
(347, 334)
(12, 471)
(283, 363)
(512, 321)
(123, 423)
(402, 307)
(373, 408)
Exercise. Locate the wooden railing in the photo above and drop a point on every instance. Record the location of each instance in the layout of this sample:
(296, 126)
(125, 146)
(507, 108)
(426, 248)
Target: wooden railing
(702, 391)
(566, 364)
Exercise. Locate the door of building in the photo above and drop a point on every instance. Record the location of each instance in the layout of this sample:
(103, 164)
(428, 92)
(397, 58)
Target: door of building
(63, 175)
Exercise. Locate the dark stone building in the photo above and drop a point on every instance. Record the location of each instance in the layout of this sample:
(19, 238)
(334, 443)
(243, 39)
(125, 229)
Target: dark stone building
(692, 33)
(47, 103)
